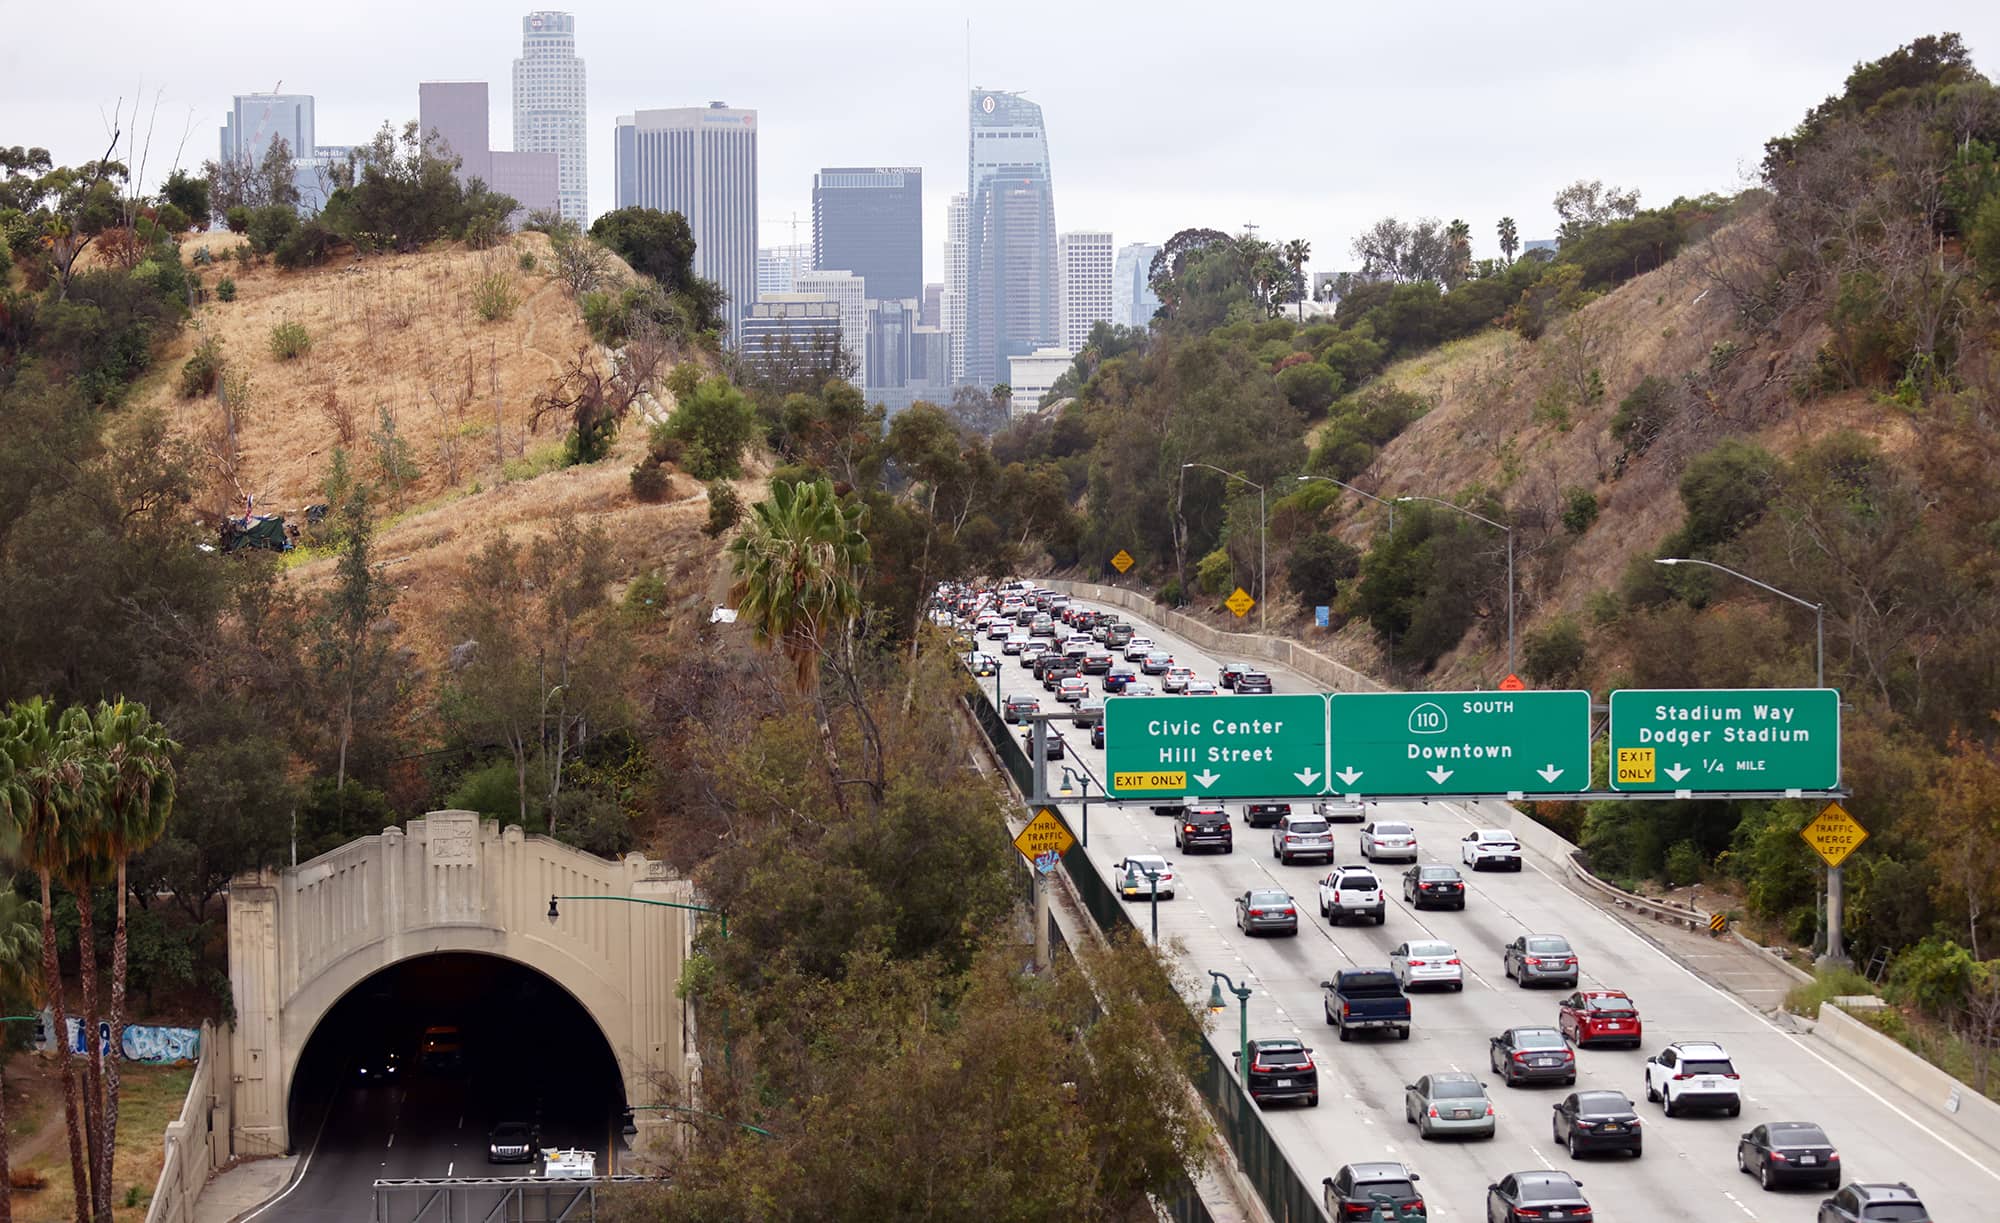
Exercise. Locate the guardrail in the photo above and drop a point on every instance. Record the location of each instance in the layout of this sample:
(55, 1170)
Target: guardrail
(1659, 910)
(188, 1156)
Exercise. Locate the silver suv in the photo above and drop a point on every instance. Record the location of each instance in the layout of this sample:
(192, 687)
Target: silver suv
(1302, 836)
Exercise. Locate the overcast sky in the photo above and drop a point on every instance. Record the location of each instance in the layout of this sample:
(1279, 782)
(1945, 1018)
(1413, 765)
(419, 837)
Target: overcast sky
(1309, 119)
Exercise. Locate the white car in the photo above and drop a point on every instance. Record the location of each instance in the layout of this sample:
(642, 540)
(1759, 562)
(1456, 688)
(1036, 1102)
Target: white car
(1199, 687)
(1693, 1074)
(1138, 687)
(1138, 648)
(1177, 680)
(1388, 839)
(1490, 847)
(1340, 809)
(1351, 891)
(1015, 642)
(1132, 882)
(1427, 962)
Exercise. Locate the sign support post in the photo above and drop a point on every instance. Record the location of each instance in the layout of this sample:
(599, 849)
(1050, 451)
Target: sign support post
(1836, 904)
(1043, 843)
(1833, 835)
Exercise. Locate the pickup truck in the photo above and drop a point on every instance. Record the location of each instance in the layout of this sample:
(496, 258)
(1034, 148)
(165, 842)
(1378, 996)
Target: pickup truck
(1361, 999)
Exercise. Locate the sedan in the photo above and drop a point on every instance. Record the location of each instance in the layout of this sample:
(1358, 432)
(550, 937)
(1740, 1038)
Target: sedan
(1427, 961)
(982, 664)
(1017, 708)
(1388, 839)
(386, 1067)
(1600, 1014)
(1424, 886)
(1097, 662)
(1490, 847)
(1158, 662)
(1788, 1152)
(1135, 884)
(1597, 1121)
(1520, 1196)
(1097, 735)
(1140, 687)
(1267, 911)
(1089, 711)
(1541, 959)
(1015, 643)
(1116, 679)
(1028, 657)
(1253, 682)
(1071, 690)
(1451, 1103)
(1532, 1055)
(1199, 687)
(1231, 671)
(1052, 744)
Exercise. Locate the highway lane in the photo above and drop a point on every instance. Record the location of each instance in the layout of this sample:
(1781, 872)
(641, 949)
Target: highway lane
(1689, 1167)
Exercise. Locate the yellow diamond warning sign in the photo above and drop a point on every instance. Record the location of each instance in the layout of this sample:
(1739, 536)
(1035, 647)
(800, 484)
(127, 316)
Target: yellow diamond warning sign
(1834, 834)
(1045, 834)
(1122, 561)
(1240, 602)
(1635, 765)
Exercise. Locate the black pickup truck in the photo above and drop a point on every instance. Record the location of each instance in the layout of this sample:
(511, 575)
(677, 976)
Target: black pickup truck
(1363, 999)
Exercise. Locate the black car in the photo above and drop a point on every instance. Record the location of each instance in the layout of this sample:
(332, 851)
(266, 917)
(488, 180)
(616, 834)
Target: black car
(1231, 672)
(1355, 1190)
(1252, 682)
(384, 1067)
(1282, 1069)
(1532, 1055)
(1788, 1152)
(1874, 1203)
(1597, 1121)
(1268, 909)
(1554, 1197)
(1264, 815)
(512, 1142)
(1205, 828)
(1052, 744)
(1054, 674)
(1424, 886)
(1097, 734)
(1117, 677)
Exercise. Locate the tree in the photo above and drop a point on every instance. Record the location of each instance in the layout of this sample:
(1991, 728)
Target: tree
(189, 194)
(1585, 205)
(1964, 832)
(580, 264)
(1458, 253)
(353, 658)
(653, 243)
(716, 423)
(1297, 251)
(1510, 239)
(1317, 567)
(1554, 655)
(20, 945)
(797, 565)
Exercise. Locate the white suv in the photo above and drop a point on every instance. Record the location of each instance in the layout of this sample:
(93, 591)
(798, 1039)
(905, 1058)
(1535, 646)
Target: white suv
(1350, 891)
(1693, 1074)
(1138, 648)
(1490, 847)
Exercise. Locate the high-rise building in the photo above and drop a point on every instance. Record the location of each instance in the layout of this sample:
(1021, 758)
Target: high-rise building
(778, 266)
(952, 306)
(1030, 377)
(933, 305)
(1013, 287)
(1132, 299)
(788, 326)
(549, 106)
(889, 326)
(871, 222)
(851, 293)
(1085, 255)
(454, 115)
(699, 161)
(256, 119)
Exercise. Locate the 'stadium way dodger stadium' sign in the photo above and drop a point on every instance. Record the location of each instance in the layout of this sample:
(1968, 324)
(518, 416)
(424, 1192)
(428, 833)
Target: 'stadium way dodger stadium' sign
(1714, 739)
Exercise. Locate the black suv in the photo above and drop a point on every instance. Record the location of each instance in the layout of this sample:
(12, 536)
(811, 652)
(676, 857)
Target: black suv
(1282, 1069)
(1350, 1193)
(1264, 815)
(1874, 1203)
(1205, 827)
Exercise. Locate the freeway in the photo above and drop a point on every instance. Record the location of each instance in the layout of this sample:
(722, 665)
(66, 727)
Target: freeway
(1688, 1171)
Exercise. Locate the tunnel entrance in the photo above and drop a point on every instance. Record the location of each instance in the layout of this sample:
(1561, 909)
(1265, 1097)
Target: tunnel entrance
(411, 1071)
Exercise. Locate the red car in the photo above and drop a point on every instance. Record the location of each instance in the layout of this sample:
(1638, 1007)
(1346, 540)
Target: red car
(1606, 1015)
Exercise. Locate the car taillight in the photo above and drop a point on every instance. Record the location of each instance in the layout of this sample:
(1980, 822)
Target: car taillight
(1489, 1110)
(1452, 960)
(1778, 1157)
(1336, 897)
(1732, 1077)
(1527, 1212)
(1225, 826)
(1434, 1112)
(1256, 912)
(1416, 963)
(1357, 1210)
(1291, 912)
(1521, 1057)
(1570, 963)
(1189, 828)
(1532, 961)
(1345, 1008)
(1679, 1077)
(1833, 1157)
(1415, 1205)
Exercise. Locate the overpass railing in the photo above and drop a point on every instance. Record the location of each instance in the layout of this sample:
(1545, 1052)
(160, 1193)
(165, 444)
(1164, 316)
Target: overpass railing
(187, 1161)
(516, 1199)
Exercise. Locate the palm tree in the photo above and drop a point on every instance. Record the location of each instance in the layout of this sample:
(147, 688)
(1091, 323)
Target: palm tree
(20, 941)
(135, 802)
(1297, 251)
(1510, 238)
(796, 566)
(49, 777)
(82, 874)
(1458, 238)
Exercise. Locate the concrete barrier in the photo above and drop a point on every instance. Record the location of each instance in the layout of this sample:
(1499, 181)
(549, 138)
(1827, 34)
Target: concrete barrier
(1945, 1100)
(197, 1141)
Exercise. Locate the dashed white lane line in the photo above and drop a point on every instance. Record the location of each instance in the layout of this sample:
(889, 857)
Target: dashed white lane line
(1736, 1202)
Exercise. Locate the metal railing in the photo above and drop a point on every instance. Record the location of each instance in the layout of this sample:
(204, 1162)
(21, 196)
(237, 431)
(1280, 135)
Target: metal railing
(509, 1200)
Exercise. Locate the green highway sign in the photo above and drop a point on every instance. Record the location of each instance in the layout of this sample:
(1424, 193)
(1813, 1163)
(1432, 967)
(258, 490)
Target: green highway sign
(1699, 740)
(1459, 742)
(1215, 746)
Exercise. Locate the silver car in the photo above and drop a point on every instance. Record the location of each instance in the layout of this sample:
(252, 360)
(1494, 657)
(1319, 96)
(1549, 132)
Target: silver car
(1451, 1103)
(1388, 839)
(1427, 962)
(1541, 959)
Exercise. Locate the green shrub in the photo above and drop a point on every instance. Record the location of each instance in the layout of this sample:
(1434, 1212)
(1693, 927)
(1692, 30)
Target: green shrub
(1725, 490)
(663, 446)
(1933, 976)
(716, 423)
(270, 226)
(238, 219)
(1309, 387)
(651, 482)
(1317, 567)
(1684, 864)
(1983, 242)
(1554, 655)
(1215, 572)
(1826, 985)
(306, 246)
(225, 290)
(289, 340)
(1579, 510)
(1644, 414)
(494, 298)
(494, 791)
(200, 371)
(725, 508)
(1171, 594)
(526, 262)
(682, 380)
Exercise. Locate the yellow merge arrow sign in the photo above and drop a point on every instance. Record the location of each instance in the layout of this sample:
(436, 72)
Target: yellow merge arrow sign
(1240, 602)
(1834, 834)
(1045, 834)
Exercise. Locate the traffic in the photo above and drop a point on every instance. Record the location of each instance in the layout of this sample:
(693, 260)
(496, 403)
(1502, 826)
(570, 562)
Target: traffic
(1462, 994)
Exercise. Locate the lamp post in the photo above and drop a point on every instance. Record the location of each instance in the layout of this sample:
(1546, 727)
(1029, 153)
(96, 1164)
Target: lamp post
(1217, 1005)
(1071, 783)
(1510, 563)
(1263, 540)
(1132, 872)
(1835, 955)
(728, 1053)
(1391, 503)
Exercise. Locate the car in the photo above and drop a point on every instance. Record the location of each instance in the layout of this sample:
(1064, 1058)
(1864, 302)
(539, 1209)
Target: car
(1076, 649)
(1553, 1197)
(1199, 687)
(1135, 884)
(1593, 1015)
(998, 629)
(1230, 672)
(1088, 712)
(1281, 1068)
(1693, 1074)
(1597, 1121)
(1099, 630)
(1097, 662)
(1264, 815)
(1531, 1055)
(1177, 679)
(1449, 1103)
(1268, 910)
(1427, 961)
(1118, 636)
(1117, 678)
(1253, 682)
(1868, 1202)
(1015, 643)
(1055, 673)
(384, 1067)
(1137, 649)
(1366, 999)
(1490, 847)
(1340, 809)
(1786, 1152)
(1301, 836)
(1424, 886)
(1353, 1192)
(1388, 839)
(1540, 959)
(1017, 708)
(1156, 662)
(512, 1142)
(981, 664)
(1052, 743)
(1097, 734)
(443, 1047)
(1140, 687)
(1071, 690)
(1041, 626)
(1351, 891)
(1204, 826)
(1030, 655)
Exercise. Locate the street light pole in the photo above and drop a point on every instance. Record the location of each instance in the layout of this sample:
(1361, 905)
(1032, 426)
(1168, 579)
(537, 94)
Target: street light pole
(1263, 544)
(1217, 1005)
(1510, 563)
(1132, 871)
(1358, 492)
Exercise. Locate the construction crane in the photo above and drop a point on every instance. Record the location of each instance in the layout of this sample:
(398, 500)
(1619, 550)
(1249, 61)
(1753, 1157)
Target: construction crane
(257, 146)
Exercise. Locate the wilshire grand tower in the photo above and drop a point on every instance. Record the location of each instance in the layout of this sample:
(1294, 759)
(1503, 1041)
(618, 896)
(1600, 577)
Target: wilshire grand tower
(1013, 283)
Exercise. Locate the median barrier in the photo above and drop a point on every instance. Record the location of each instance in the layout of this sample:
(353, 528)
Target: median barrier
(1945, 1100)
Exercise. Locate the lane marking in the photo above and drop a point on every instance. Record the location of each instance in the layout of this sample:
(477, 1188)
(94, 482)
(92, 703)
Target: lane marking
(299, 1176)
(448, 1167)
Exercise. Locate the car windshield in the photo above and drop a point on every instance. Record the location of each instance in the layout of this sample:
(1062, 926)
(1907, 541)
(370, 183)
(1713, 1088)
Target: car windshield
(1548, 1190)
(1611, 1006)
(1398, 1190)
(1707, 1066)
(1269, 896)
(1599, 1103)
(1155, 864)
(1282, 1057)
(1548, 946)
(1895, 1212)
(1538, 1038)
(1356, 880)
(1456, 1089)
(1798, 1136)
(1314, 826)
(1368, 983)
(1497, 837)
(510, 1131)
(1392, 830)
(1430, 949)
(1437, 872)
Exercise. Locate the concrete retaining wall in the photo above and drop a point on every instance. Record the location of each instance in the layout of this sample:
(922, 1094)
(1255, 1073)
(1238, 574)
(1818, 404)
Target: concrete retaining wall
(1952, 1105)
(197, 1141)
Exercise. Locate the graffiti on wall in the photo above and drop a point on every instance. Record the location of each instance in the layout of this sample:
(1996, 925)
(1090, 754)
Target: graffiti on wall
(163, 1046)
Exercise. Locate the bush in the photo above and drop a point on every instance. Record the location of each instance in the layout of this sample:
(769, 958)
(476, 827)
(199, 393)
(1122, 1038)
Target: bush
(494, 298)
(1171, 595)
(199, 372)
(238, 219)
(289, 340)
(663, 446)
(1684, 864)
(1214, 573)
(1554, 655)
(494, 791)
(1932, 976)
(225, 290)
(651, 481)
(725, 509)
(716, 423)
(1317, 567)
(526, 262)
(270, 226)
(1308, 387)
(1725, 490)
(305, 246)
(1579, 510)
(682, 380)
(1644, 414)
(1983, 243)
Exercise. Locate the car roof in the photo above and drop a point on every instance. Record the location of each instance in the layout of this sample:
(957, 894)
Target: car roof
(1278, 1042)
(1494, 834)
(1541, 1177)
(1454, 1076)
(1699, 1047)
(1379, 1171)
(1438, 943)
(1531, 1029)
(1885, 1191)
(1277, 892)
(1616, 1098)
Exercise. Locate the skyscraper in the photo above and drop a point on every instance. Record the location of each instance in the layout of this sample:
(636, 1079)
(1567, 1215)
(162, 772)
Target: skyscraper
(952, 306)
(851, 292)
(699, 161)
(549, 106)
(933, 307)
(1085, 255)
(871, 222)
(1012, 283)
(256, 119)
(453, 114)
(777, 266)
(1132, 298)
